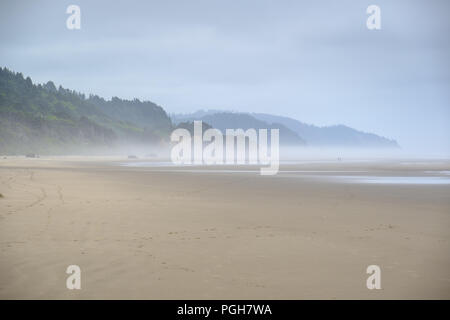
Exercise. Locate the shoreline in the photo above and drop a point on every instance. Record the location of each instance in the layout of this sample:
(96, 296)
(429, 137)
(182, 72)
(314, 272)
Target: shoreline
(140, 233)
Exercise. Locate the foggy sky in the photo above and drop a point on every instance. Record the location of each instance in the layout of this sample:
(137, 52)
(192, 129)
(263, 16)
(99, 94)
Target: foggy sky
(311, 60)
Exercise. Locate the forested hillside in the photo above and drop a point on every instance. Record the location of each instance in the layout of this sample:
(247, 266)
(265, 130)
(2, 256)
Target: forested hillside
(44, 119)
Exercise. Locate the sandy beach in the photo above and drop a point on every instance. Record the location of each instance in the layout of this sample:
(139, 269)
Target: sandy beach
(141, 232)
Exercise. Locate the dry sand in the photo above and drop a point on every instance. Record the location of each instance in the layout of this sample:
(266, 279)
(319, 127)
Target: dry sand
(148, 233)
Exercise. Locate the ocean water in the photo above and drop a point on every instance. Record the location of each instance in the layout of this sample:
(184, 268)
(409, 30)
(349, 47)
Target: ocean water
(326, 176)
(410, 180)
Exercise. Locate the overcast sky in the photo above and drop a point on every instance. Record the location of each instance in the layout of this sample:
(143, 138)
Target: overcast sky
(311, 60)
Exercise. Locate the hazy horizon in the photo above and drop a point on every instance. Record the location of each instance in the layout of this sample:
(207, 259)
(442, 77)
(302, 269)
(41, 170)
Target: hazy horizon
(314, 62)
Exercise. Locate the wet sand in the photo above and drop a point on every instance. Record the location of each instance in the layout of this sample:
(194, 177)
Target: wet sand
(158, 233)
